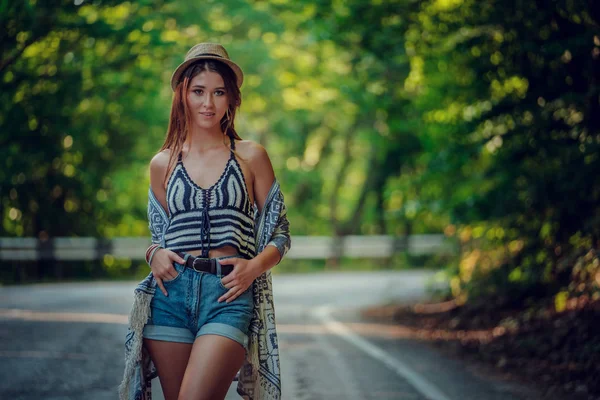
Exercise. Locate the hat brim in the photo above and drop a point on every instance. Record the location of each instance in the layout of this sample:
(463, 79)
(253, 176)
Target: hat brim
(179, 70)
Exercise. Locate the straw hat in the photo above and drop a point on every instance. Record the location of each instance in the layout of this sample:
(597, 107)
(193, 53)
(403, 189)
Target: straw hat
(206, 51)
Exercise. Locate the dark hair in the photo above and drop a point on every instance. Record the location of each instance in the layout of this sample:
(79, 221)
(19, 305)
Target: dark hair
(180, 118)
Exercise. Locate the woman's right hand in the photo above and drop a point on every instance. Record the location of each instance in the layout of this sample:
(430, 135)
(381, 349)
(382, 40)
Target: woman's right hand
(162, 267)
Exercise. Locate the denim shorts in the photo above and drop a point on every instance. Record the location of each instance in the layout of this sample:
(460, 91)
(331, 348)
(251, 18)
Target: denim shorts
(191, 309)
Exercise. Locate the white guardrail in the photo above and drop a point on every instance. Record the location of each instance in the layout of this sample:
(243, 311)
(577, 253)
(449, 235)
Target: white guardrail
(303, 247)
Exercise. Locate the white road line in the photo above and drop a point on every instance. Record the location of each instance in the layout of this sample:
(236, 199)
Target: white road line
(424, 387)
(340, 367)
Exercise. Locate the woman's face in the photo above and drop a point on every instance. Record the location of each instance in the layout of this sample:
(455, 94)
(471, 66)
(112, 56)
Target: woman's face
(207, 100)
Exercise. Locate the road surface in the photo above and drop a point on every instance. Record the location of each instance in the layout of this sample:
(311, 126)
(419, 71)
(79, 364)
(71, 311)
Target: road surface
(65, 341)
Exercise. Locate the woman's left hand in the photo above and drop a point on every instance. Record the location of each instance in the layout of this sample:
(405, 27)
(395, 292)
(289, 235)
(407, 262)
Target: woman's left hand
(239, 279)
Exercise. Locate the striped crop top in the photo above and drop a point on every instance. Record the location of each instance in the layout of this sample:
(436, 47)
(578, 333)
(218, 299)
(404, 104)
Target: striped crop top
(206, 219)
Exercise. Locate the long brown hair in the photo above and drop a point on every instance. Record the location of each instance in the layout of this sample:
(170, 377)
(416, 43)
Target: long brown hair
(181, 118)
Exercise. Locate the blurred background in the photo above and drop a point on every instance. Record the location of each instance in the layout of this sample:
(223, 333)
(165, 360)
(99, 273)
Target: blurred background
(472, 125)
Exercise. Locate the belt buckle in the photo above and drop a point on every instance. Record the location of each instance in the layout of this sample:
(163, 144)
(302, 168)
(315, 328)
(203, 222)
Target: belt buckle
(200, 261)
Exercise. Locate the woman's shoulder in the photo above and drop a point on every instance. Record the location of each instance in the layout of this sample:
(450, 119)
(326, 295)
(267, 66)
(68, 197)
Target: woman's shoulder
(161, 159)
(251, 151)
(160, 163)
(257, 159)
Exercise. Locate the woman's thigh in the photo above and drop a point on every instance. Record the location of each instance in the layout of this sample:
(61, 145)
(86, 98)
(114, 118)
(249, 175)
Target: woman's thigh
(212, 365)
(170, 360)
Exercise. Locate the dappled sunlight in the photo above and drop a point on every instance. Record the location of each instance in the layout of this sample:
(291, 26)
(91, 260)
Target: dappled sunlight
(399, 331)
(473, 123)
(367, 330)
(392, 332)
(31, 315)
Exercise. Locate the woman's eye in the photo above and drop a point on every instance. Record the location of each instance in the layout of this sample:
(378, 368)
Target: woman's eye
(219, 93)
(198, 92)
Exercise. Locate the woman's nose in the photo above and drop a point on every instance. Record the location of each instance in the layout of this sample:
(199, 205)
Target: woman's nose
(208, 100)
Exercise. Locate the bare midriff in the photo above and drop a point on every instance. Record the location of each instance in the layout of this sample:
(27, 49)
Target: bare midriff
(220, 252)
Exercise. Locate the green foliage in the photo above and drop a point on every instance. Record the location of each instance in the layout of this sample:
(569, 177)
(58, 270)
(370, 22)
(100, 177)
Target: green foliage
(489, 114)
(74, 102)
(528, 128)
(85, 106)
(474, 118)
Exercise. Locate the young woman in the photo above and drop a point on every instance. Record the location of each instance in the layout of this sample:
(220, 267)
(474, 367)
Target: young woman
(218, 225)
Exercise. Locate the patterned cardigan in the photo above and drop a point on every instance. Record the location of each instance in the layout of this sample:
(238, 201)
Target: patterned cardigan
(259, 377)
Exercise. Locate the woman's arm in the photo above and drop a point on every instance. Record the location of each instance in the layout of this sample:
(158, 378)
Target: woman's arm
(246, 271)
(262, 173)
(161, 261)
(158, 172)
(158, 218)
(263, 177)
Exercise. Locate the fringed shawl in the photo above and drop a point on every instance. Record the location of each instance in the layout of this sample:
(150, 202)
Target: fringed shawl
(259, 377)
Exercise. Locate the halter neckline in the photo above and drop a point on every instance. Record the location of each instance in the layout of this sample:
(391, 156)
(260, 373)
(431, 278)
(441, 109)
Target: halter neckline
(187, 175)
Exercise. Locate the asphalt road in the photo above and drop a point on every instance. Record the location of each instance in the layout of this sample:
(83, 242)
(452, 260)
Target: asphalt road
(65, 341)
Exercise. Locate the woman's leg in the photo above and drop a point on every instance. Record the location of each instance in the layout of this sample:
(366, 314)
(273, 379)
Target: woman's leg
(170, 359)
(213, 363)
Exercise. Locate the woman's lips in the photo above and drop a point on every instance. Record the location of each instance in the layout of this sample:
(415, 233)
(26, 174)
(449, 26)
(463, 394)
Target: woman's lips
(207, 115)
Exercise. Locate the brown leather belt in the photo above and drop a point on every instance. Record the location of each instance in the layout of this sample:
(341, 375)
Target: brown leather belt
(209, 265)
